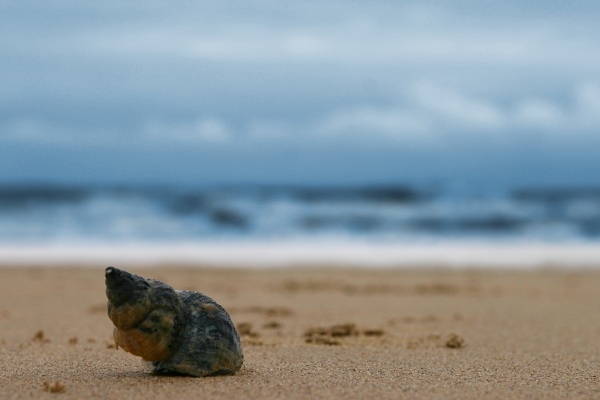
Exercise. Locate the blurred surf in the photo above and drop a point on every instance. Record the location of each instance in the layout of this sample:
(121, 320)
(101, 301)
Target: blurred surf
(388, 214)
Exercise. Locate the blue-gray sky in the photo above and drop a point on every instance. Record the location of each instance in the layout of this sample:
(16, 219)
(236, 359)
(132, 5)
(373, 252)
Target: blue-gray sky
(300, 92)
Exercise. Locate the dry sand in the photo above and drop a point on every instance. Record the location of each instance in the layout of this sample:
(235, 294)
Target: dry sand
(319, 333)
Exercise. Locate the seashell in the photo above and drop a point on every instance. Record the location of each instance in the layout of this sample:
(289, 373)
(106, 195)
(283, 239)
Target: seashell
(179, 331)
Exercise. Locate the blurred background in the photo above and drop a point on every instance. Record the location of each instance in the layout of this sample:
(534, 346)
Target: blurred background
(413, 122)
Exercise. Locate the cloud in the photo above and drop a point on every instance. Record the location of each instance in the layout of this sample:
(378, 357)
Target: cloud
(539, 114)
(424, 113)
(587, 99)
(456, 109)
(389, 122)
(201, 130)
(430, 111)
(577, 115)
(266, 129)
(311, 75)
(421, 114)
(371, 39)
(43, 132)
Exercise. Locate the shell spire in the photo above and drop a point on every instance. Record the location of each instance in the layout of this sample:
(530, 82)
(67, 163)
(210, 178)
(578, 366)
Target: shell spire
(180, 332)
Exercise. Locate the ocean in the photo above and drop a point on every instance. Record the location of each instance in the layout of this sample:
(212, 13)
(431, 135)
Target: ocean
(295, 223)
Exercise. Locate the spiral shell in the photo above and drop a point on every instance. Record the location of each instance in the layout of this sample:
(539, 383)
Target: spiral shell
(179, 331)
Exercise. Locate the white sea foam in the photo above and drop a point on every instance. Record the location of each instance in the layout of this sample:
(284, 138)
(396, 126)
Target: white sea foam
(286, 254)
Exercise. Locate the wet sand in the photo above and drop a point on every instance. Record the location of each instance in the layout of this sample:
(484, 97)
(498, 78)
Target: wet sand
(326, 332)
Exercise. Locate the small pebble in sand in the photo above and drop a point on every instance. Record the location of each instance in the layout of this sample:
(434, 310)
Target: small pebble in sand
(373, 332)
(40, 337)
(245, 329)
(329, 336)
(340, 330)
(272, 325)
(322, 340)
(454, 341)
(55, 387)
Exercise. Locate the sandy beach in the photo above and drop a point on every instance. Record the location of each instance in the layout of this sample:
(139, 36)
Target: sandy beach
(319, 332)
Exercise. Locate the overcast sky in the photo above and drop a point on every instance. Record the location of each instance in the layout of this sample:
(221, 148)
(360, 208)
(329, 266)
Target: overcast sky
(195, 92)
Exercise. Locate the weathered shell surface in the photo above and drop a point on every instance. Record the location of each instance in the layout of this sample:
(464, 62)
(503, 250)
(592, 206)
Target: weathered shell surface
(180, 332)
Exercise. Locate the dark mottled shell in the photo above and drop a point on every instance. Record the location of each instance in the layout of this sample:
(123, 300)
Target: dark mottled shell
(180, 332)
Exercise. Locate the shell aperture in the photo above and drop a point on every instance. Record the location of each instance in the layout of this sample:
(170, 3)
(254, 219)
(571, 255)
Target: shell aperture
(181, 332)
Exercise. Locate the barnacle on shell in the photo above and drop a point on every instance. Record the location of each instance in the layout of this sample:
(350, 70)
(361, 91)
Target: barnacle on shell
(180, 332)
